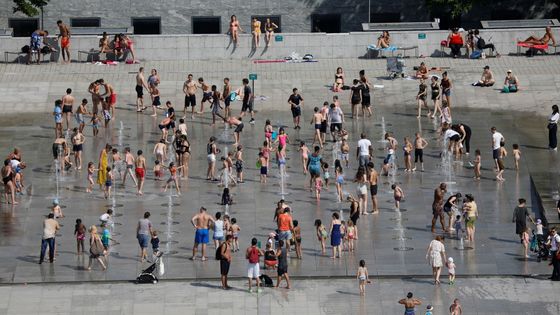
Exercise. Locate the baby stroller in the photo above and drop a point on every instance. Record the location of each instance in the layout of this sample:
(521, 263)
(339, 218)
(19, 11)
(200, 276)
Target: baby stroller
(148, 275)
(538, 246)
(395, 67)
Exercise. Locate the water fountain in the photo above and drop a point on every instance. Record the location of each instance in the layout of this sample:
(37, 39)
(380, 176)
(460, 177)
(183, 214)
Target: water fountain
(399, 228)
(446, 164)
(383, 130)
(283, 191)
(225, 175)
(57, 171)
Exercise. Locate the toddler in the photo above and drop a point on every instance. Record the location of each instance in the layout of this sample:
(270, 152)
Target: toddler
(80, 232)
(363, 277)
(322, 234)
(155, 243)
(398, 195)
(235, 229)
(451, 270)
(516, 155)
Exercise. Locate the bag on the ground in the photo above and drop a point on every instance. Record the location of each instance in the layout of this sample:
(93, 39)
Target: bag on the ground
(45, 50)
(266, 281)
(25, 49)
(476, 54)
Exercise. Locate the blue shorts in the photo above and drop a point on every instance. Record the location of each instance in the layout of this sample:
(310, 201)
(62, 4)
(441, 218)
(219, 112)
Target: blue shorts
(285, 235)
(201, 236)
(143, 240)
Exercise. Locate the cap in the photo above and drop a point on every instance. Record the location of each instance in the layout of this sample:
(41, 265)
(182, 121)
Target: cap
(450, 259)
(430, 307)
(509, 71)
(55, 202)
(486, 67)
(539, 221)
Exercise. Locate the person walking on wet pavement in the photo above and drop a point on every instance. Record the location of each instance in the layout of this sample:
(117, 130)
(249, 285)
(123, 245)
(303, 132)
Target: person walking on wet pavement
(520, 215)
(555, 252)
(437, 206)
(50, 227)
(553, 128)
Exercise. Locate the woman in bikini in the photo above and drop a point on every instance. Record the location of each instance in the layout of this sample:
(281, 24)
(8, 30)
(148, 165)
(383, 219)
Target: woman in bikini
(234, 29)
(384, 40)
(269, 28)
(256, 32)
(7, 178)
(338, 80)
(129, 45)
(104, 44)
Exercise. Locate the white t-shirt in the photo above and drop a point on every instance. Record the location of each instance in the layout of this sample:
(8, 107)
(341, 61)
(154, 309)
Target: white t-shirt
(364, 145)
(450, 133)
(554, 118)
(14, 164)
(496, 139)
(105, 217)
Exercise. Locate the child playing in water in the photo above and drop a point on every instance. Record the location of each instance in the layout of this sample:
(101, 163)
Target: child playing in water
(105, 237)
(363, 277)
(326, 174)
(173, 177)
(262, 164)
(477, 161)
(80, 232)
(451, 270)
(458, 226)
(318, 186)
(344, 151)
(56, 210)
(155, 243)
(268, 132)
(297, 238)
(304, 155)
(95, 124)
(352, 234)
(239, 163)
(90, 171)
(338, 173)
(158, 170)
(398, 195)
(516, 155)
(235, 229)
(108, 183)
(322, 235)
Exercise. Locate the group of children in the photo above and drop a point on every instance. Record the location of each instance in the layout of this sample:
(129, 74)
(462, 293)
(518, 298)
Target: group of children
(348, 233)
(499, 162)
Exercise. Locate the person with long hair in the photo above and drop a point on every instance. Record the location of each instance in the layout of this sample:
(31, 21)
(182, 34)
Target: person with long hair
(436, 256)
(234, 29)
(553, 128)
(361, 189)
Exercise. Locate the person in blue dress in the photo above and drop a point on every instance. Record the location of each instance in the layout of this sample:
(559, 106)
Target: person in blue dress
(314, 165)
(336, 235)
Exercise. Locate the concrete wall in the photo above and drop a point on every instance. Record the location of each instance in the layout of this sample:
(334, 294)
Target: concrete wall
(324, 46)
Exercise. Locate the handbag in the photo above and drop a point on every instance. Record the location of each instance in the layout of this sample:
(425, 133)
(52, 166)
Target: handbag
(96, 248)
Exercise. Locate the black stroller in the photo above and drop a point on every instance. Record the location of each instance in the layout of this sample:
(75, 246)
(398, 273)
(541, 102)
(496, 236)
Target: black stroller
(148, 275)
(538, 246)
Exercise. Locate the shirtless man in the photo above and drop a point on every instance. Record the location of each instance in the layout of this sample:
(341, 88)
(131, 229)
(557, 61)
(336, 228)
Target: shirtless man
(201, 223)
(487, 78)
(59, 150)
(140, 85)
(78, 140)
(324, 120)
(140, 171)
(437, 206)
(226, 98)
(93, 89)
(189, 88)
(64, 38)
(80, 113)
(129, 161)
(238, 123)
(547, 37)
(206, 94)
(111, 94)
(419, 145)
(67, 104)
(372, 178)
(317, 119)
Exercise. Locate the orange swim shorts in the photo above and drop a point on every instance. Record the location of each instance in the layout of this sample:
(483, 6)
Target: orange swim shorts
(65, 42)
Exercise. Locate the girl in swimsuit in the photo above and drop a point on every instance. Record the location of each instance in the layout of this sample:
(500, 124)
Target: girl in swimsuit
(339, 174)
(129, 45)
(104, 43)
(256, 32)
(173, 177)
(338, 80)
(304, 155)
(268, 131)
(9, 187)
(269, 28)
(117, 46)
(234, 29)
(282, 140)
(90, 169)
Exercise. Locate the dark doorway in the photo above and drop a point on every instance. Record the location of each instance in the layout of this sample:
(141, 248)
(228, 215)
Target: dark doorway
(206, 25)
(325, 23)
(23, 27)
(385, 17)
(146, 25)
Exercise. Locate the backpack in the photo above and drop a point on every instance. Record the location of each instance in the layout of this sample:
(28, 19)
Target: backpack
(219, 252)
(476, 54)
(481, 43)
(253, 255)
(266, 280)
(25, 49)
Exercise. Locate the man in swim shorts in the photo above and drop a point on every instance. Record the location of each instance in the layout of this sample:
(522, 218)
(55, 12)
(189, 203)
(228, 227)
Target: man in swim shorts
(67, 104)
(64, 38)
(140, 85)
(189, 88)
(201, 223)
(206, 94)
(140, 170)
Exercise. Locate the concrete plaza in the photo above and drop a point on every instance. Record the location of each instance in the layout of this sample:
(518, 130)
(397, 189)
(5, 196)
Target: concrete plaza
(393, 246)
